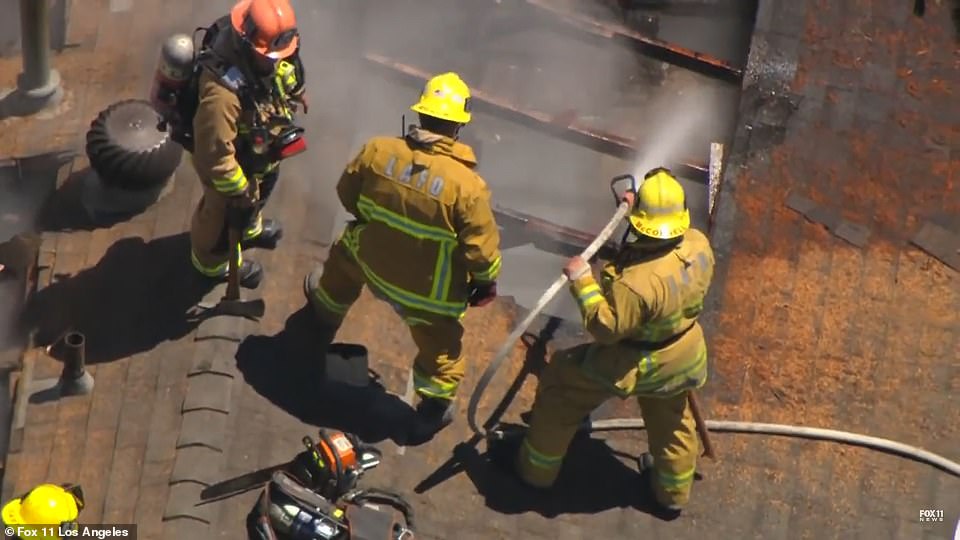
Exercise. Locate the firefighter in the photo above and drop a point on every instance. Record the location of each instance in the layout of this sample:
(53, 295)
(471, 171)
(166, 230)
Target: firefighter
(424, 239)
(647, 344)
(44, 511)
(248, 91)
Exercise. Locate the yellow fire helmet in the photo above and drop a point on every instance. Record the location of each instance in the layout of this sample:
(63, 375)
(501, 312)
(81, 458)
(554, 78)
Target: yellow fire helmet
(446, 97)
(46, 504)
(661, 207)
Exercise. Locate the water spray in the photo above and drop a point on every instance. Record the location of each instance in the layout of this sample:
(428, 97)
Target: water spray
(675, 123)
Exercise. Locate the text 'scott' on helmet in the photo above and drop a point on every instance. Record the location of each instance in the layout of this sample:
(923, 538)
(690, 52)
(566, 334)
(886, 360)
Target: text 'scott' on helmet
(46, 504)
(269, 26)
(661, 207)
(446, 97)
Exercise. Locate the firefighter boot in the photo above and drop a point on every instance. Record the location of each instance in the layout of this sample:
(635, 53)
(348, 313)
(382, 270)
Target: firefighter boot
(502, 450)
(647, 477)
(267, 238)
(433, 414)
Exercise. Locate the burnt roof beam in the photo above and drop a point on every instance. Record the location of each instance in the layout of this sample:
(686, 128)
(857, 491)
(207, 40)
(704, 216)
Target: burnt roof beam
(677, 55)
(561, 126)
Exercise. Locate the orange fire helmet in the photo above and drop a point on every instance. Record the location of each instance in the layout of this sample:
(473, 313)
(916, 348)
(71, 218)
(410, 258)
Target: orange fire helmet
(270, 26)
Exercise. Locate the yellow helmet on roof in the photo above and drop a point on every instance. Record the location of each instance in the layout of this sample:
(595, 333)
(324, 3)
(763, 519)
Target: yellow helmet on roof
(446, 97)
(46, 504)
(661, 207)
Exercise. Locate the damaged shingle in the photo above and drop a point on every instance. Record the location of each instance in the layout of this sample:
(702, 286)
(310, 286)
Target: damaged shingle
(940, 243)
(854, 233)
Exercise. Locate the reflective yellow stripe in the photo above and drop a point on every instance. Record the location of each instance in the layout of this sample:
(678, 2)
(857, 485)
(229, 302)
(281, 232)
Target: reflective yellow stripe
(647, 365)
(235, 183)
(396, 294)
(589, 295)
(270, 168)
(430, 387)
(324, 298)
(661, 329)
(414, 321)
(691, 377)
(491, 273)
(541, 460)
(675, 480)
(212, 271)
(254, 230)
(370, 211)
(442, 275)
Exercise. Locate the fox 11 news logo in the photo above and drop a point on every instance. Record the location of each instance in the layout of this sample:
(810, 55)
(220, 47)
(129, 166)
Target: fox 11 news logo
(931, 516)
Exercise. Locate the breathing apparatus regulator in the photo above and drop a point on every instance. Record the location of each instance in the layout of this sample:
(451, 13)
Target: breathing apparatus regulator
(317, 497)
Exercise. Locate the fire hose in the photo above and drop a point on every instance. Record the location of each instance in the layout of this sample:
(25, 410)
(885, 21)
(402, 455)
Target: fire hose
(720, 426)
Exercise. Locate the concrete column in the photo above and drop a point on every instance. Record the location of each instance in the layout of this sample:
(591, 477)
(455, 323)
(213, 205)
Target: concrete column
(38, 86)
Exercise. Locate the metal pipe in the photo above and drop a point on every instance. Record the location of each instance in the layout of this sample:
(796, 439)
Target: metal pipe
(561, 126)
(74, 379)
(35, 43)
(75, 355)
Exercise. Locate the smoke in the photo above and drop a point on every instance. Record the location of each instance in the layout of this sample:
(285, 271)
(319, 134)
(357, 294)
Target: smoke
(17, 211)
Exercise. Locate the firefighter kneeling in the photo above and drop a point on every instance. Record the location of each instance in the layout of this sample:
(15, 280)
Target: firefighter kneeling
(648, 344)
(43, 512)
(424, 240)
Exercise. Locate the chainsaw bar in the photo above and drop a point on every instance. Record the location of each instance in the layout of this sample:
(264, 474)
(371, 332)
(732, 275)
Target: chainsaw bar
(242, 484)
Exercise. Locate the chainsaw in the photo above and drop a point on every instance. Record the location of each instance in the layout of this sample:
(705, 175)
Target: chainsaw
(315, 496)
(332, 465)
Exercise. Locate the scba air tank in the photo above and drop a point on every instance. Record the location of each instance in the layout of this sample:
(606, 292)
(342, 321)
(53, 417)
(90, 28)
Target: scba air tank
(174, 69)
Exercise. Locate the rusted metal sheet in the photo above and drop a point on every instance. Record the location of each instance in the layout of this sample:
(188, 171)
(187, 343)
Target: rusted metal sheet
(663, 50)
(563, 126)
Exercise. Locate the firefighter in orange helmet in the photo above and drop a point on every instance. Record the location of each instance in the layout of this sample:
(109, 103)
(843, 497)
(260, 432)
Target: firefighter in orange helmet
(424, 240)
(251, 84)
(647, 345)
(44, 512)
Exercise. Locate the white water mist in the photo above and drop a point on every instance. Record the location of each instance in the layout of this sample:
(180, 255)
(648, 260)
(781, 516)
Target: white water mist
(678, 127)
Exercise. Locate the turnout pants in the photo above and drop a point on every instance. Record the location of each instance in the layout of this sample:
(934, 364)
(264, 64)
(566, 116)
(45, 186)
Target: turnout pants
(439, 365)
(566, 396)
(209, 251)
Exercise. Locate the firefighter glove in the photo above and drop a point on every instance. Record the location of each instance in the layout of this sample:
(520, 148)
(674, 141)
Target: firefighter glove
(576, 268)
(482, 294)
